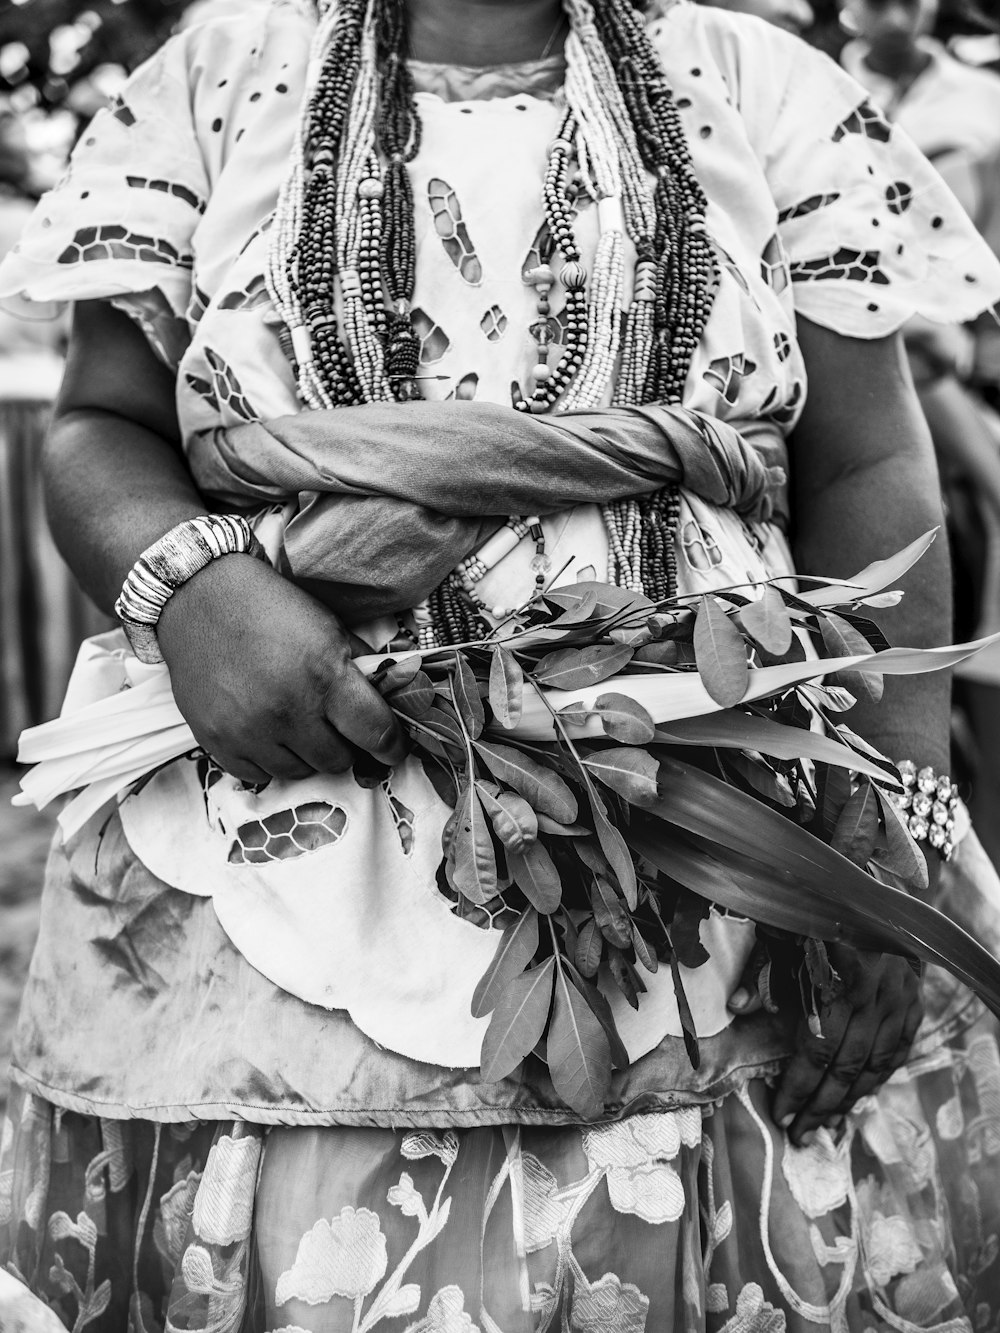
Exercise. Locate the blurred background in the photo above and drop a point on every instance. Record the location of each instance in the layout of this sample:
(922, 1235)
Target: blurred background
(933, 66)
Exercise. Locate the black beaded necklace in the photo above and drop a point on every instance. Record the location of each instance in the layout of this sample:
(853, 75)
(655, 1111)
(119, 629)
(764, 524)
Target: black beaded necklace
(677, 257)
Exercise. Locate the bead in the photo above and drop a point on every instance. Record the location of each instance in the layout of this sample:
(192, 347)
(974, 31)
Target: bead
(907, 771)
(573, 276)
(922, 804)
(541, 373)
(499, 612)
(940, 812)
(918, 827)
(541, 274)
(937, 836)
(371, 188)
(926, 779)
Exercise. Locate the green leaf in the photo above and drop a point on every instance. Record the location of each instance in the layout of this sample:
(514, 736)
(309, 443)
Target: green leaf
(474, 869)
(574, 715)
(609, 913)
(688, 1028)
(767, 621)
(506, 687)
(857, 828)
(833, 791)
(579, 1054)
(396, 672)
(514, 821)
(623, 719)
(536, 876)
(608, 599)
(467, 701)
(632, 637)
(518, 1022)
(445, 725)
(602, 1010)
(515, 951)
(614, 848)
(576, 668)
(841, 639)
(873, 578)
(720, 654)
(576, 604)
(741, 731)
(547, 825)
(630, 772)
(625, 977)
(754, 769)
(542, 788)
(643, 952)
(589, 947)
(903, 857)
(762, 865)
(415, 697)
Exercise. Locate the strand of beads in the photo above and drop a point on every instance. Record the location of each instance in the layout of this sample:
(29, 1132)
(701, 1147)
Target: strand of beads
(399, 133)
(549, 384)
(659, 517)
(326, 99)
(622, 521)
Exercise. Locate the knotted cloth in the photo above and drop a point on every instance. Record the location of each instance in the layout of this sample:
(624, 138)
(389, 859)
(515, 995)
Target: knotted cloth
(392, 496)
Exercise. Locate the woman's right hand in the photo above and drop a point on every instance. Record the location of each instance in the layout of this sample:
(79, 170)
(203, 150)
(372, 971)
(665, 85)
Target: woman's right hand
(262, 673)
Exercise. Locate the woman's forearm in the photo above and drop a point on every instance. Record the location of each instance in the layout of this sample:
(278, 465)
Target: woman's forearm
(112, 487)
(866, 484)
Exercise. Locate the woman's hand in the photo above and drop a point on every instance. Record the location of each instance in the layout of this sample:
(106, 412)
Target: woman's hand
(262, 673)
(862, 1037)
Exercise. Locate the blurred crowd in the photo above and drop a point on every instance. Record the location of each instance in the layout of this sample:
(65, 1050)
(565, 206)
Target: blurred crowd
(932, 71)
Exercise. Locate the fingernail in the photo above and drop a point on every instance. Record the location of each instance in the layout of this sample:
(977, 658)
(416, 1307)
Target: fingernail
(786, 1120)
(739, 999)
(807, 1138)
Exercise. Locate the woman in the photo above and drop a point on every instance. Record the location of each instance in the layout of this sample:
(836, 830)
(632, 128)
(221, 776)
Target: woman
(199, 230)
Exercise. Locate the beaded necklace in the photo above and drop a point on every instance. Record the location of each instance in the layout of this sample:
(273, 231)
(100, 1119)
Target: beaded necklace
(346, 212)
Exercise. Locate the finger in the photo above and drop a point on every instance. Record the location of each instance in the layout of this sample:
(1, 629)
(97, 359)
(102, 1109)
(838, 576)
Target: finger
(744, 1001)
(843, 1070)
(244, 770)
(888, 1052)
(320, 744)
(362, 716)
(807, 1067)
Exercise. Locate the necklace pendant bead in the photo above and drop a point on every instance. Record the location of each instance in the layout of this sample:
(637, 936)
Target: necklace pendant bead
(573, 276)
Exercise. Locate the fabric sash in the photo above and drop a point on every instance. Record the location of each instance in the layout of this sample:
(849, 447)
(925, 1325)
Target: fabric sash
(391, 497)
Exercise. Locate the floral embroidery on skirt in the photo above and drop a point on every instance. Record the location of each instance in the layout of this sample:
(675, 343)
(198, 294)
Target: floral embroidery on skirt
(702, 1218)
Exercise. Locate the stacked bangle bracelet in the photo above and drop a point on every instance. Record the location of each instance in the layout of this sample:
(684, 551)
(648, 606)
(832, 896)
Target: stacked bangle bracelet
(170, 562)
(929, 804)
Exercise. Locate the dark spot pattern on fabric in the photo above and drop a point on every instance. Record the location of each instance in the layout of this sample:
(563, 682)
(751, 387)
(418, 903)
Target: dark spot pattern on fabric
(806, 206)
(852, 265)
(122, 112)
(865, 120)
(494, 323)
(117, 242)
(288, 834)
(774, 267)
(402, 817)
(228, 389)
(434, 342)
(783, 346)
(216, 124)
(540, 246)
(725, 372)
(173, 188)
(251, 297)
(699, 547)
(727, 262)
(452, 230)
(197, 305)
(465, 390)
(899, 196)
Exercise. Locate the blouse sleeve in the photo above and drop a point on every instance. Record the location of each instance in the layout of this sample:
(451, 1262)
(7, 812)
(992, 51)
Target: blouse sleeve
(872, 233)
(120, 223)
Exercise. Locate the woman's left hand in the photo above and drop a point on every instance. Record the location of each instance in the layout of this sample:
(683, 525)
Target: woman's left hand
(863, 1036)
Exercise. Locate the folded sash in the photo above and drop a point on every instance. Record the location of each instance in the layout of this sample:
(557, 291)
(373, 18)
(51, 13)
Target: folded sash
(391, 497)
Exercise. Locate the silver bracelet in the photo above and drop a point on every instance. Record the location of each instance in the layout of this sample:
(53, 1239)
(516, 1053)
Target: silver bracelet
(170, 562)
(928, 802)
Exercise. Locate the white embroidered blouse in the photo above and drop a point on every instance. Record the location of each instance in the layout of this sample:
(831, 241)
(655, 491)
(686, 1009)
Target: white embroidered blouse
(816, 207)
